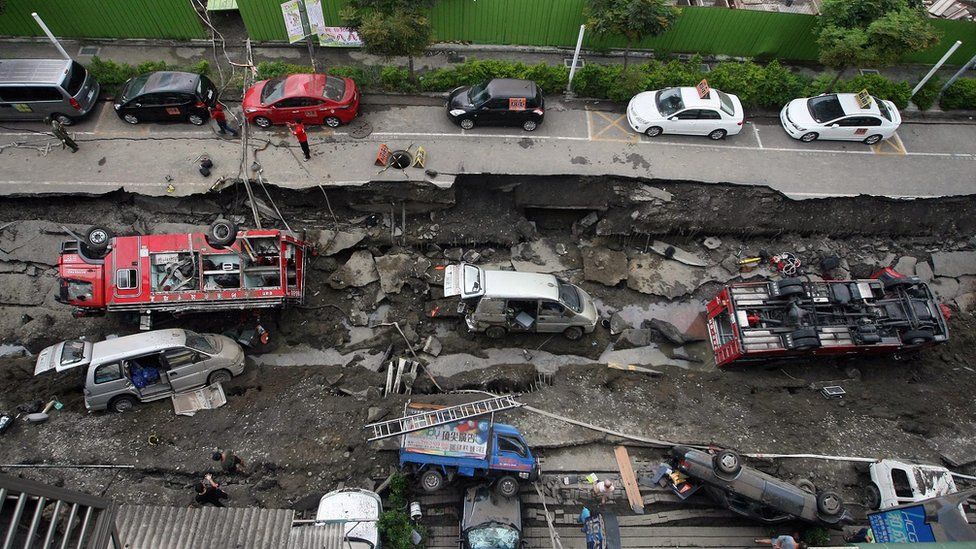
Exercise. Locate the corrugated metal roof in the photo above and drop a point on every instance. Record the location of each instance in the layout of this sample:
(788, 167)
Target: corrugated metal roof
(317, 536)
(156, 527)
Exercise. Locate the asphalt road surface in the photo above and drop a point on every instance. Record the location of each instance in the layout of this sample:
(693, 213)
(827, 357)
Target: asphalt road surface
(922, 160)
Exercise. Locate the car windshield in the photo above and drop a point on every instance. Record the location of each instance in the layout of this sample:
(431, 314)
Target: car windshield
(825, 108)
(669, 101)
(728, 107)
(493, 536)
(478, 94)
(198, 342)
(73, 352)
(335, 88)
(570, 297)
(135, 87)
(885, 111)
(273, 90)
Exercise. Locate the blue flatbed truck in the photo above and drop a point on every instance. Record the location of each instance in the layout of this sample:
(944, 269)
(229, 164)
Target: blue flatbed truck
(468, 448)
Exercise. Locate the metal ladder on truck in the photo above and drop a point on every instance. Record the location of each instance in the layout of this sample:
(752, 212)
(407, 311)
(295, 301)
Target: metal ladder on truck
(440, 416)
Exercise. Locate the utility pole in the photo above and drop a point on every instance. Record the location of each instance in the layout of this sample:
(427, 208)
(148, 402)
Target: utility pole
(937, 66)
(572, 70)
(309, 34)
(50, 35)
(970, 63)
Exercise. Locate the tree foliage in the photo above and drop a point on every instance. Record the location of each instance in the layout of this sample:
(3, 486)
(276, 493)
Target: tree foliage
(391, 28)
(633, 19)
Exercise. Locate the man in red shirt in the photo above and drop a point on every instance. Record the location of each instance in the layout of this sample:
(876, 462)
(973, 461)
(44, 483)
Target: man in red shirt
(217, 113)
(298, 129)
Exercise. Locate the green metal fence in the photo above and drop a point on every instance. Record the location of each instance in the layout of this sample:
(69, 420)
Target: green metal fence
(170, 19)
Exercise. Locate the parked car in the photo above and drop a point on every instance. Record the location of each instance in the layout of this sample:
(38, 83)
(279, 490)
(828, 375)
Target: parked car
(840, 116)
(167, 96)
(33, 89)
(895, 483)
(498, 102)
(359, 510)
(755, 494)
(313, 98)
(499, 302)
(683, 111)
(490, 520)
(124, 371)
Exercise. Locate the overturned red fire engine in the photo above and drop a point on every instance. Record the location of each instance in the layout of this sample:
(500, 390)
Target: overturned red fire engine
(218, 270)
(888, 313)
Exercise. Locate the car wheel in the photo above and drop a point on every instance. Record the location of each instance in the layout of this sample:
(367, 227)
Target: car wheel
(262, 122)
(873, 139)
(653, 131)
(717, 135)
(809, 136)
(829, 504)
(507, 486)
(219, 376)
(122, 404)
(130, 118)
(222, 233)
(495, 332)
(727, 462)
(872, 496)
(573, 333)
(431, 480)
(530, 125)
(196, 119)
(806, 485)
(97, 239)
(64, 119)
(466, 124)
(333, 122)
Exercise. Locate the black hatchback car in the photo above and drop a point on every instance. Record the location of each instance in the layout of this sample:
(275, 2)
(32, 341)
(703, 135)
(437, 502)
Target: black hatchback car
(498, 102)
(167, 96)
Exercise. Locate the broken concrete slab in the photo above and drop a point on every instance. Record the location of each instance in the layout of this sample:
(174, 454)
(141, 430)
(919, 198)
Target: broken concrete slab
(374, 413)
(906, 265)
(31, 241)
(644, 193)
(618, 324)
(956, 450)
(331, 242)
(539, 256)
(712, 243)
(652, 274)
(666, 329)
(945, 289)
(23, 289)
(966, 301)
(394, 269)
(632, 338)
(677, 254)
(359, 271)
(924, 271)
(954, 264)
(608, 267)
(432, 346)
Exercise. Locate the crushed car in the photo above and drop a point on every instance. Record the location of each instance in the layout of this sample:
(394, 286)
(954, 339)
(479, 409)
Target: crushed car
(490, 520)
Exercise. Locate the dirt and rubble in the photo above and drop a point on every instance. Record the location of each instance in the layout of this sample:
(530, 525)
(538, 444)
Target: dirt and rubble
(651, 254)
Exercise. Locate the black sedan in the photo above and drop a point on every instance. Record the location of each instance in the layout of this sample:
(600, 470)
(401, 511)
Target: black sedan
(167, 96)
(498, 102)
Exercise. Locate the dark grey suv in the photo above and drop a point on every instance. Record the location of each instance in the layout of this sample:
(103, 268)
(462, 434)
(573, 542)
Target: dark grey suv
(755, 494)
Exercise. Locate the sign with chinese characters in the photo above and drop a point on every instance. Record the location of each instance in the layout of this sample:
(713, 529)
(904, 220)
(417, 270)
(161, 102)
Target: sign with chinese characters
(292, 14)
(904, 525)
(339, 37)
(863, 99)
(703, 89)
(464, 439)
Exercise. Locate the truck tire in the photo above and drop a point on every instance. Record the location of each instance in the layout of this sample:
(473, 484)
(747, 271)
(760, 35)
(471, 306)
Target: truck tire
(97, 239)
(728, 463)
(507, 486)
(431, 480)
(829, 504)
(806, 485)
(222, 233)
(872, 496)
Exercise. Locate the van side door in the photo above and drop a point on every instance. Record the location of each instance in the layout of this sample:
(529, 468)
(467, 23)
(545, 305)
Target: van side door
(553, 317)
(108, 381)
(186, 368)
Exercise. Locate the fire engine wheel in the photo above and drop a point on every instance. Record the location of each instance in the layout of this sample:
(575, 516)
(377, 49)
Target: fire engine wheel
(507, 486)
(727, 462)
(573, 333)
(804, 333)
(791, 291)
(829, 504)
(222, 233)
(219, 376)
(122, 404)
(787, 282)
(495, 332)
(872, 496)
(333, 122)
(431, 480)
(917, 337)
(806, 485)
(98, 238)
(806, 343)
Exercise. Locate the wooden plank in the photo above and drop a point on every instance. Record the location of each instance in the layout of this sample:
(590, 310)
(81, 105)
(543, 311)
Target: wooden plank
(629, 480)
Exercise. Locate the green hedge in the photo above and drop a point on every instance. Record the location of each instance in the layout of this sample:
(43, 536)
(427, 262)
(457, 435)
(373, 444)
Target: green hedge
(112, 75)
(960, 95)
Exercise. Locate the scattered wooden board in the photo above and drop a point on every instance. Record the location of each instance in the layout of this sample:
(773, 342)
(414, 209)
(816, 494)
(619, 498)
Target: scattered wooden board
(629, 480)
(632, 368)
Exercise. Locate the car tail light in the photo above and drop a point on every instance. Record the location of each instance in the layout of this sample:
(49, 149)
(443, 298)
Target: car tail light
(538, 111)
(75, 104)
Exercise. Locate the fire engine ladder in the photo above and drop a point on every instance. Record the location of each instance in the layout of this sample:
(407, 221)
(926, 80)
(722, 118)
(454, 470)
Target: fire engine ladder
(440, 416)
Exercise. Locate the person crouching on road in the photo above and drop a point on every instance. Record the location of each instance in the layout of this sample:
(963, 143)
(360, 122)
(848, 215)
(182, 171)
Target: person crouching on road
(229, 462)
(57, 128)
(298, 129)
(217, 113)
(209, 491)
(604, 490)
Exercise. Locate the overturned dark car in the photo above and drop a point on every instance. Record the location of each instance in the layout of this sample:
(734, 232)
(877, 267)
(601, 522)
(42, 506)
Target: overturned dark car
(755, 494)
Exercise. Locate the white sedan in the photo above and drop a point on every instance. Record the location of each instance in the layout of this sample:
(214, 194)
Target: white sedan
(840, 116)
(683, 111)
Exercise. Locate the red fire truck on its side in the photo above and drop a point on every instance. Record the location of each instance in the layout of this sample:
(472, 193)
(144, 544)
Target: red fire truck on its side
(750, 321)
(218, 270)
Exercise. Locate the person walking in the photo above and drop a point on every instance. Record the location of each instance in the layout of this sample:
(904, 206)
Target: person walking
(59, 131)
(217, 113)
(209, 491)
(229, 461)
(782, 542)
(298, 129)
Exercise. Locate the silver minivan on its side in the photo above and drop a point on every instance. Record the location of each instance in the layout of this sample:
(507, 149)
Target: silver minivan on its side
(32, 89)
(124, 371)
(499, 302)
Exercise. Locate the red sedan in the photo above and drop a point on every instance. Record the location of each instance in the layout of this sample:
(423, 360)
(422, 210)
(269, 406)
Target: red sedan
(312, 98)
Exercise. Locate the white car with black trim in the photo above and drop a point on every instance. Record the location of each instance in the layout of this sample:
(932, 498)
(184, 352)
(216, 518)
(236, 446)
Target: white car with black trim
(841, 117)
(683, 111)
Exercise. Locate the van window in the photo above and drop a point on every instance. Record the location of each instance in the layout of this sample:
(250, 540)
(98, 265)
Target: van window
(176, 358)
(76, 77)
(126, 279)
(73, 352)
(570, 296)
(27, 94)
(903, 487)
(199, 342)
(108, 372)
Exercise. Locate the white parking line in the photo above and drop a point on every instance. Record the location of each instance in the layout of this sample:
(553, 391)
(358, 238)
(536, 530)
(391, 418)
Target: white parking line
(755, 130)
